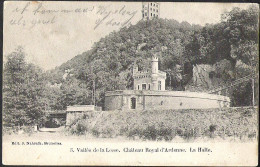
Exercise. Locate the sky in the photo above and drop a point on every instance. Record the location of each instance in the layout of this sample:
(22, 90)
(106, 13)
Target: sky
(52, 33)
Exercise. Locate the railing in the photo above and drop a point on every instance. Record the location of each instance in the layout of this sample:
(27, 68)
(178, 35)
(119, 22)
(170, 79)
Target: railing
(236, 82)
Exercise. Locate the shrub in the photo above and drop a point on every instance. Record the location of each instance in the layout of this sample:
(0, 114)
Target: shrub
(28, 130)
(252, 135)
(166, 134)
(212, 128)
(136, 132)
(179, 132)
(188, 134)
(107, 133)
(95, 132)
(78, 129)
(150, 133)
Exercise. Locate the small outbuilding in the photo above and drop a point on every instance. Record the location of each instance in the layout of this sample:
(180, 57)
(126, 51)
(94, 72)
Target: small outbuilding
(76, 111)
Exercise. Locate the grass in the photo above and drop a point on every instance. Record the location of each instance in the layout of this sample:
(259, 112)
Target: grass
(165, 125)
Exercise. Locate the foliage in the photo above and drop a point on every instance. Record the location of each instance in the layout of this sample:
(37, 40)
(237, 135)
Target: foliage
(79, 128)
(23, 83)
(108, 65)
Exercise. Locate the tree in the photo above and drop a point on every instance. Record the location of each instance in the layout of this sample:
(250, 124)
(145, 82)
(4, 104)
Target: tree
(23, 84)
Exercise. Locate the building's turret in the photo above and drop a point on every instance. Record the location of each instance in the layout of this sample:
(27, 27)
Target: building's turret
(154, 73)
(154, 65)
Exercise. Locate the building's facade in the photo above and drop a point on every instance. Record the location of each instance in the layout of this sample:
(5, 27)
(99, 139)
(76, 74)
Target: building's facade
(150, 10)
(152, 79)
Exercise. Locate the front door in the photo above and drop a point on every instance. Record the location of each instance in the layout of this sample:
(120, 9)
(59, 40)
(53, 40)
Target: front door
(133, 103)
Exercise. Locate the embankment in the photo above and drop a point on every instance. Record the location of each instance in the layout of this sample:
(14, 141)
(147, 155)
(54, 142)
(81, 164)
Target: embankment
(240, 123)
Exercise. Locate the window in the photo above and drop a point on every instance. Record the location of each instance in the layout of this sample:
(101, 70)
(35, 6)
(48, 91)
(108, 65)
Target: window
(151, 3)
(151, 14)
(133, 103)
(149, 86)
(138, 87)
(159, 85)
(157, 6)
(143, 86)
(154, 10)
(145, 14)
(154, 15)
(157, 10)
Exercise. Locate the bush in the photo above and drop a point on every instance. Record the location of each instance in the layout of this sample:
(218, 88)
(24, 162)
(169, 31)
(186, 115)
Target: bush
(95, 132)
(107, 133)
(150, 133)
(78, 129)
(10, 130)
(28, 130)
(166, 134)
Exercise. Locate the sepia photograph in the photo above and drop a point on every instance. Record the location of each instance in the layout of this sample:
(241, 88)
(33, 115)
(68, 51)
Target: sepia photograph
(130, 83)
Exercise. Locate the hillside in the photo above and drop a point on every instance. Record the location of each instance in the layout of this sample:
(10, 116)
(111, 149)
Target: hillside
(108, 65)
(111, 59)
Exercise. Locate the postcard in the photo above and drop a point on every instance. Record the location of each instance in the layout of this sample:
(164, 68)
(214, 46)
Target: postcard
(130, 83)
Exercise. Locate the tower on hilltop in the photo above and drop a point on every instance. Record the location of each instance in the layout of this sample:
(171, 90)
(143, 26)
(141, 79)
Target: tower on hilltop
(150, 10)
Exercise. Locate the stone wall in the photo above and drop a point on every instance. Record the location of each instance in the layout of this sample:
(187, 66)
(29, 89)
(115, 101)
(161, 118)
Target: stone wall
(113, 102)
(163, 100)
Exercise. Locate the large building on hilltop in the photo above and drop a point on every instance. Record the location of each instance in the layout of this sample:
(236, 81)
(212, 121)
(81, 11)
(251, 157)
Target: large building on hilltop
(149, 94)
(150, 10)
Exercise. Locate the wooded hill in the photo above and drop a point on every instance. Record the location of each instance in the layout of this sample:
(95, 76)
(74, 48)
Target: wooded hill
(231, 45)
(109, 63)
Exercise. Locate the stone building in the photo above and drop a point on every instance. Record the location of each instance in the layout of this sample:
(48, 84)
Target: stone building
(150, 10)
(149, 93)
(152, 79)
